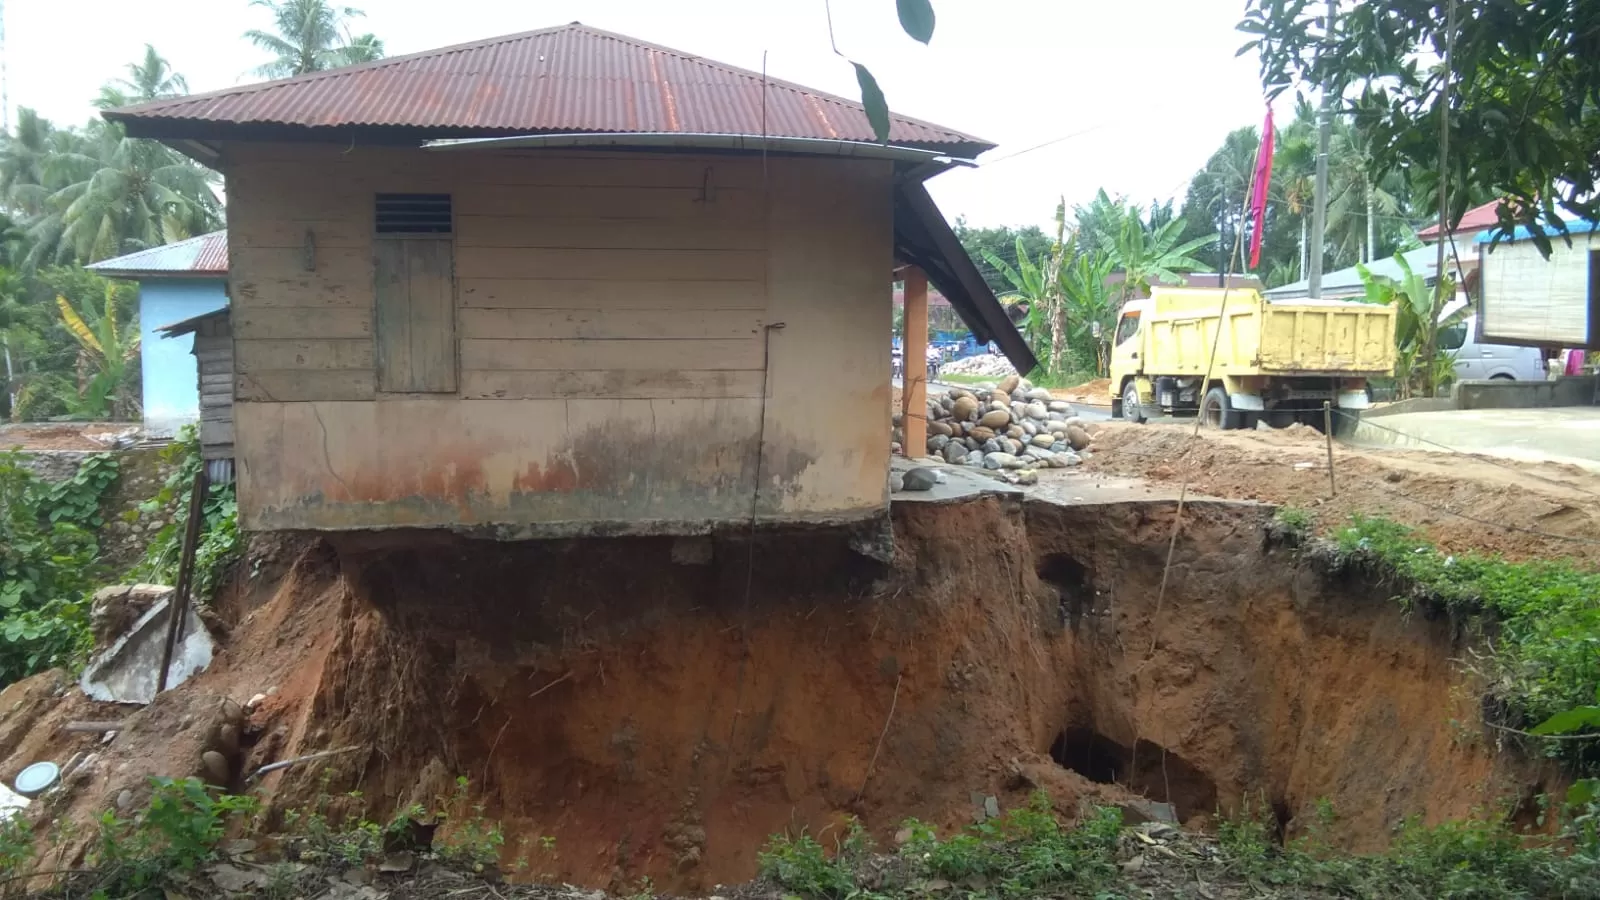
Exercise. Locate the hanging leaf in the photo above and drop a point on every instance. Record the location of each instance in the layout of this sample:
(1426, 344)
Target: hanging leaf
(1570, 721)
(74, 324)
(916, 17)
(872, 99)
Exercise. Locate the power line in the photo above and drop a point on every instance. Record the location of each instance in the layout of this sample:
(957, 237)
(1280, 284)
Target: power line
(989, 162)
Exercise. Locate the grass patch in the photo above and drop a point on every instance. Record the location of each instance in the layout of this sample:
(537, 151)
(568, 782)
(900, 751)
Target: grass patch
(1546, 615)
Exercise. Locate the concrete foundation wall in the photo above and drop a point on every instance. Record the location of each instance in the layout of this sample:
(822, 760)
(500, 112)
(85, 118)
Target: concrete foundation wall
(611, 342)
(1576, 390)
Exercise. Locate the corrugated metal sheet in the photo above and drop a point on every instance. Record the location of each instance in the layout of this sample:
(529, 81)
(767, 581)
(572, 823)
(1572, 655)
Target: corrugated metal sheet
(206, 254)
(572, 78)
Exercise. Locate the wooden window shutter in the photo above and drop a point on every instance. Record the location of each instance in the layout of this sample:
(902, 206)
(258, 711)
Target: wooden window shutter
(415, 271)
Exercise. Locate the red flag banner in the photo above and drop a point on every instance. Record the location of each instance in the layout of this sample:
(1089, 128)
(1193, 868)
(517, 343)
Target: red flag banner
(1258, 190)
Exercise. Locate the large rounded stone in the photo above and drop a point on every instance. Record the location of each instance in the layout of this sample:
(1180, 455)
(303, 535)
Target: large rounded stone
(215, 767)
(1059, 406)
(963, 408)
(1077, 437)
(981, 433)
(937, 442)
(955, 452)
(992, 445)
(999, 397)
(1019, 410)
(1037, 410)
(1010, 382)
(995, 418)
(1039, 395)
(942, 428)
(921, 479)
(1030, 429)
(1015, 432)
(1001, 461)
(1042, 440)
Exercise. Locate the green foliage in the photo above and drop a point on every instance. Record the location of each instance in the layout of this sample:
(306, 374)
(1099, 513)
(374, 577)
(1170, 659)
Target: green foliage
(800, 864)
(1547, 654)
(471, 839)
(310, 36)
(1421, 365)
(1294, 521)
(177, 832)
(1522, 116)
(1024, 853)
(1002, 242)
(48, 563)
(1468, 859)
(220, 541)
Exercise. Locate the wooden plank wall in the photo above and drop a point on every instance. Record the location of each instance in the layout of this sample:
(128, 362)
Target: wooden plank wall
(213, 351)
(577, 276)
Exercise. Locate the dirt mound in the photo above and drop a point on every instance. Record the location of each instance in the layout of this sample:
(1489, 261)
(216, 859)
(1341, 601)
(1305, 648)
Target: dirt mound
(1096, 392)
(1462, 502)
(659, 710)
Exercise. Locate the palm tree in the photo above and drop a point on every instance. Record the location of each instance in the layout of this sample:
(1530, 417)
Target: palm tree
(310, 36)
(25, 157)
(152, 78)
(118, 195)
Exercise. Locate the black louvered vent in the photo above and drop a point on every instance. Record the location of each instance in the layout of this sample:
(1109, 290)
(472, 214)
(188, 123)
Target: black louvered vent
(413, 214)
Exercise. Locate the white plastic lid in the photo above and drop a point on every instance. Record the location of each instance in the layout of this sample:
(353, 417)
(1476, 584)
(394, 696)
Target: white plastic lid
(37, 778)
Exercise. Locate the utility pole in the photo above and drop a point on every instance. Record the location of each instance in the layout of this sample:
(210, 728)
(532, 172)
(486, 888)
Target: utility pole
(5, 92)
(1319, 199)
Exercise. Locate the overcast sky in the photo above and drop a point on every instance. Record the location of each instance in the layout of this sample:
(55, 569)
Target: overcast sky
(1147, 88)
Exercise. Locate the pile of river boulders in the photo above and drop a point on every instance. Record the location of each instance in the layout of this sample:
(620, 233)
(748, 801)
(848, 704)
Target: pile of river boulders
(1011, 427)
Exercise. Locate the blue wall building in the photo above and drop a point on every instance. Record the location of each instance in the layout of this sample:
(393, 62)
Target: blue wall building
(176, 282)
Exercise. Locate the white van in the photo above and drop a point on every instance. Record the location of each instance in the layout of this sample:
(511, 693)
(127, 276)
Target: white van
(1475, 361)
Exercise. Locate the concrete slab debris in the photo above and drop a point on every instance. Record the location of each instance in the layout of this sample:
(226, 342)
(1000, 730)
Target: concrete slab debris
(127, 671)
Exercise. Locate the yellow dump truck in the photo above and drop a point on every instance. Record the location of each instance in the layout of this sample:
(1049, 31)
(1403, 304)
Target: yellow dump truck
(1276, 361)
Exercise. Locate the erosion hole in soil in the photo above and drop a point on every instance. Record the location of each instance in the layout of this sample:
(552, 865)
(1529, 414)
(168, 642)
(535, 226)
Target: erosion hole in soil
(1148, 768)
(1071, 581)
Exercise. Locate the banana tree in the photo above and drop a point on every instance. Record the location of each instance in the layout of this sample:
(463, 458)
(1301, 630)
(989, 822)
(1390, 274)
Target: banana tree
(1038, 286)
(1421, 366)
(1091, 304)
(105, 351)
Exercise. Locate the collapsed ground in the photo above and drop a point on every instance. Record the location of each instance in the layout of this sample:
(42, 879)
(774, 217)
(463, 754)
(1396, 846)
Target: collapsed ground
(635, 702)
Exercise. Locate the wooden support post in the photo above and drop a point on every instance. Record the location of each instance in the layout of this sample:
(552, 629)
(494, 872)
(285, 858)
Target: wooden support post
(178, 606)
(1327, 429)
(914, 394)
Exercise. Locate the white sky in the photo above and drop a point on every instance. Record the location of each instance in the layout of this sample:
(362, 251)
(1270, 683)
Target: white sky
(1149, 86)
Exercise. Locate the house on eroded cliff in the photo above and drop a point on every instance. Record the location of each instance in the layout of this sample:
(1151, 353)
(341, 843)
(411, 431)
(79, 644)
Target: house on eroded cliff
(565, 282)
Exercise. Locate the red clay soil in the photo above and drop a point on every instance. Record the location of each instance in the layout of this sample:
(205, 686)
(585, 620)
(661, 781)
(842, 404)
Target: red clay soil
(660, 719)
(60, 436)
(1096, 392)
(1463, 502)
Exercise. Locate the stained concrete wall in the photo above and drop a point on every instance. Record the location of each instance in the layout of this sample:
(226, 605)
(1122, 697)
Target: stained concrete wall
(612, 342)
(1571, 390)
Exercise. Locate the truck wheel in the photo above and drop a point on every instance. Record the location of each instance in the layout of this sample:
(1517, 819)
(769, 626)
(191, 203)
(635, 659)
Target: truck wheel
(1130, 403)
(1216, 411)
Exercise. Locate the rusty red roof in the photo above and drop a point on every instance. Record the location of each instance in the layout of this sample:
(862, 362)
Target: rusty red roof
(568, 79)
(1472, 221)
(204, 255)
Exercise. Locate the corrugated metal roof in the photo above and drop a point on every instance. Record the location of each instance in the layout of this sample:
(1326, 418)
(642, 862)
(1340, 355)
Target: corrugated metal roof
(1474, 219)
(206, 254)
(568, 79)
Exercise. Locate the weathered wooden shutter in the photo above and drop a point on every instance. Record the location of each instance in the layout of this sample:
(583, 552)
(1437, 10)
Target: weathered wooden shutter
(415, 271)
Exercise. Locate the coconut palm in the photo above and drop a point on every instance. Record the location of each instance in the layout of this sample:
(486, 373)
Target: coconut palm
(310, 36)
(152, 78)
(118, 195)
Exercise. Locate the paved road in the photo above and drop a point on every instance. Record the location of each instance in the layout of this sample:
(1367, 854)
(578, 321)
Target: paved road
(1568, 434)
